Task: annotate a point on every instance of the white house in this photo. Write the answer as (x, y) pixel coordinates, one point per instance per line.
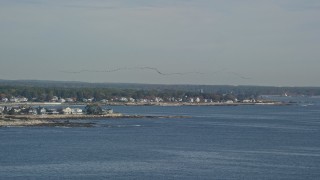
(76, 111)
(158, 99)
(229, 102)
(143, 100)
(123, 99)
(32, 111)
(62, 100)
(16, 109)
(23, 99)
(107, 111)
(67, 110)
(4, 99)
(42, 110)
(13, 99)
(132, 100)
(249, 101)
(246, 101)
(104, 100)
(52, 111)
(69, 100)
(54, 98)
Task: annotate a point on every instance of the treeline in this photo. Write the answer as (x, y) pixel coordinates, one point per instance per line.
(46, 94)
(213, 89)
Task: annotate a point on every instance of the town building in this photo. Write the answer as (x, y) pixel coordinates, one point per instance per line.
(5, 100)
(66, 110)
(76, 111)
(41, 110)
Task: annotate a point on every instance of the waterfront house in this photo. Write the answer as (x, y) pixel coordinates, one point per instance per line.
(249, 101)
(229, 102)
(70, 100)
(143, 100)
(54, 99)
(62, 100)
(52, 111)
(103, 100)
(41, 110)
(23, 99)
(107, 111)
(132, 100)
(171, 99)
(76, 111)
(158, 99)
(32, 111)
(123, 99)
(5, 100)
(13, 99)
(67, 110)
(24, 109)
(7, 108)
(15, 109)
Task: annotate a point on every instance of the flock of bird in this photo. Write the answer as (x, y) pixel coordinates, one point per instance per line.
(156, 70)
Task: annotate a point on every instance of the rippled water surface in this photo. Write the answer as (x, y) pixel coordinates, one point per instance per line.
(236, 142)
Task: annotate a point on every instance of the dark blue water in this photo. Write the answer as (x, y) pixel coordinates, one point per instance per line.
(238, 142)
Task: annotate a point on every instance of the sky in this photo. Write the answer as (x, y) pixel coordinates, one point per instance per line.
(213, 42)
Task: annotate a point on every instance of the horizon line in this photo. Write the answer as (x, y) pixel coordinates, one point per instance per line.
(166, 84)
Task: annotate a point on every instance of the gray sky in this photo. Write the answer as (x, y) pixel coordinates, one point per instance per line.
(236, 42)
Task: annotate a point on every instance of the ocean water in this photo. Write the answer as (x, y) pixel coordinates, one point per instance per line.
(236, 142)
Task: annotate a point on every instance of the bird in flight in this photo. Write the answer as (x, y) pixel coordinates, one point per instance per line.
(156, 70)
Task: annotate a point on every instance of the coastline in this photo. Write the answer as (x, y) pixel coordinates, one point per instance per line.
(195, 104)
(41, 123)
(82, 116)
(23, 123)
(272, 103)
(62, 120)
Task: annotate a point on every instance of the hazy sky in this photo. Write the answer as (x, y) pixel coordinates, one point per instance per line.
(236, 42)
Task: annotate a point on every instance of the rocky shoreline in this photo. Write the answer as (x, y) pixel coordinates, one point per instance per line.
(41, 123)
(18, 122)
(62, 120)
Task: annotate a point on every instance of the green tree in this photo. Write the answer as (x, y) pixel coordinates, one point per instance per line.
(93, 109)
